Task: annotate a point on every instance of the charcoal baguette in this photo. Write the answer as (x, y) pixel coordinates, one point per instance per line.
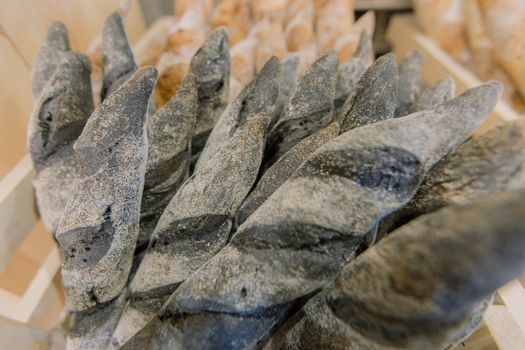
(58, 117)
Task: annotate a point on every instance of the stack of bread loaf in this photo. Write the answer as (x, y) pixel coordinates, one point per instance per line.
(339, 207)
(485, 35)
(257, 30)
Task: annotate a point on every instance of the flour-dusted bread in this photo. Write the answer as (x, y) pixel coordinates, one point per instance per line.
(333, 19)
(444, 22)
(505, 22)
(347, 43)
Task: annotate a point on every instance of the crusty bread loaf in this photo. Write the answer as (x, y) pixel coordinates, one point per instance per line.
(443, 21)
(333, 19)
(153, 43)
(234, 15)
(181, 6)
(478, 40)
(505, 22)
(188, 34)
(271, 41)
(270, 9)
(299, 25)
(348, 42)
(242, 58)
(172, 71)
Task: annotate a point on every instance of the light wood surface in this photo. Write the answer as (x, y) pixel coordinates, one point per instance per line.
(18, 213)
(16, 335)
(40, 284)
(15, 103)
(513, 295)
(503, 328)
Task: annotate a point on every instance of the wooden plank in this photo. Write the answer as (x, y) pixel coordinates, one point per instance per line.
(480, 340)
(39, 285)
(8, 302)
(18, 214)
(15, 104)
(378, 5)
(18, 274)
(37, 244)
(50, 311)
(18, 336)
(25, 23)
(513, 295)
(83, 18)
(405, 36)
(503, 328)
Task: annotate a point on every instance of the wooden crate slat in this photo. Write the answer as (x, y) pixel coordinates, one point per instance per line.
(480, 340)
(405, 36)
(26, 21)
(15, 104)
(40, 284)
(513, 295)
(18, 214)
(8, 302)
(15, 335)
(503, 328)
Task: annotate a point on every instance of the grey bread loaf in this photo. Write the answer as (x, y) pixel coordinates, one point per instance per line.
(211, 67)
(283, 168)
(403, 294)
(375, 95)
(415, 299)
(287, 84)
(118, 61)
(57, 119)
(491, 163)
(351, 71)
(99, 228)
(195, 225)
(310, 108)
(92, 329)
(410, 82)
(434, 95)
(256, 97)
(170, 131)
(49, 57)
